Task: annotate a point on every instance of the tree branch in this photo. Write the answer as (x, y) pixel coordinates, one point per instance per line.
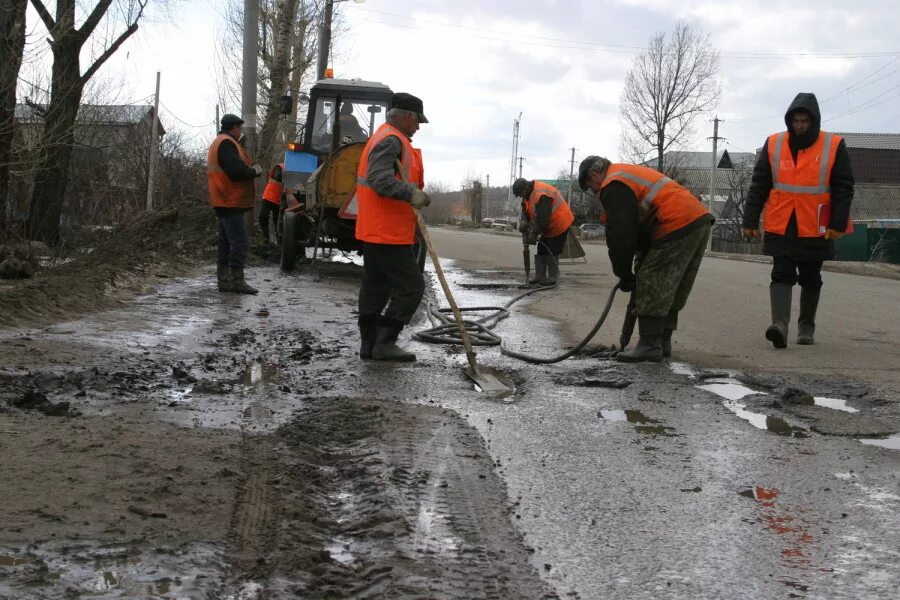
(109, 52)
(42, 11)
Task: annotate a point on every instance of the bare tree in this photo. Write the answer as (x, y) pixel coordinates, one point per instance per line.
(67, 85)
(668, 87)
(12, 45)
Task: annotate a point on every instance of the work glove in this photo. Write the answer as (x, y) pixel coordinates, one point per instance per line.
(533, 237)
(750, 233)
(257, 169)
(627, 284)
(420, 199)
(832, 234)
(523, 226)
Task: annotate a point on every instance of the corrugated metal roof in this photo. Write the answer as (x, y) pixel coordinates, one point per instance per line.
(684, 159)
(876, 141)
(872, 202)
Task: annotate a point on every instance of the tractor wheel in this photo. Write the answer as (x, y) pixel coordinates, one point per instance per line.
(289, 242)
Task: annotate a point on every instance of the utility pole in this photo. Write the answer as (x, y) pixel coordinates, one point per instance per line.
(216, 124)
(521, 158)
(154, 147)
(248, 88)
(324, 39)
(571, 175)
(487, 196)
(512, 162)
(712, 172)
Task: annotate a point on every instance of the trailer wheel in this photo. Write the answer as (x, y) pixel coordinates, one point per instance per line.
(289, 242)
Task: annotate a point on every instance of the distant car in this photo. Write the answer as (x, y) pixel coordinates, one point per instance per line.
(503, 225)
(487, 222)
(591, 231)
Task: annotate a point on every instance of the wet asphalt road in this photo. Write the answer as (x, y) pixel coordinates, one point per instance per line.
(661, 489)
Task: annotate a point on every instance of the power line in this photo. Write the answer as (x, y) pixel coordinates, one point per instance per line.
(875, 72)
(174, 116)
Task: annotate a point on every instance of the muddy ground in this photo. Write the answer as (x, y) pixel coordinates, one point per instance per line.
(190, 444)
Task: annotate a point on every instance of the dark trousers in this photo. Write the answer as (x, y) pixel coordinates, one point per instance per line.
(232, 237)
(391, 279)
(267, 211)
(552, 245)
(808, 273)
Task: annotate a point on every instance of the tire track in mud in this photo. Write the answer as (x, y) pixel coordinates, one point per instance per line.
(378, 499)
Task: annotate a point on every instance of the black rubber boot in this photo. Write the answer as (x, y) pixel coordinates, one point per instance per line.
(806, 324)
(386, 348)
(670, 325)
(649, 346)
(238, 284)
(223, 275)
(780, 298)
(552, 270)
(540, 269)
(368, 325)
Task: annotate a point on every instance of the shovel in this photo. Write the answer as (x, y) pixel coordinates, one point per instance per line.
(488, 380)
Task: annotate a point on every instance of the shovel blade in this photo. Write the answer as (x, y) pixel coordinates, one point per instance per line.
(492, 382)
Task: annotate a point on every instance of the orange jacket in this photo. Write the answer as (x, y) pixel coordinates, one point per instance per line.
(380, 219)
(802, 188)
(273, 189)
(223, 191)
(661, 199)
(561, 217)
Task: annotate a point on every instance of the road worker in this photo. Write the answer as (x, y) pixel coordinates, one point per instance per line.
(392, 284)
(646, 209)
(804, 181)
(546, 219)
(271, 201)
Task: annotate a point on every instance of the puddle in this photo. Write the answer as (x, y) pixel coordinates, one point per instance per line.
(761, 421)
(630, 416)
(680, 368)
(7, 560)
(258, 372)
(339, 550)
(834, 404)
(891, 442)
(728, 388)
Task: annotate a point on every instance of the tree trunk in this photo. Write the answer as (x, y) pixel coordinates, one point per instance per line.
(58, 139)
(278, 79)
(12, 43)
(300, 64)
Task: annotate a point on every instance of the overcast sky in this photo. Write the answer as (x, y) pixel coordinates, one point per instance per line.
(477, 63)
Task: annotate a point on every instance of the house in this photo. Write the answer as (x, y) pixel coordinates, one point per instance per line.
(109, 166)
(876, 169)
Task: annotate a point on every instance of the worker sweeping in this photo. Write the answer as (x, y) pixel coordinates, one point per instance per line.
(548, 217)
(646, 208)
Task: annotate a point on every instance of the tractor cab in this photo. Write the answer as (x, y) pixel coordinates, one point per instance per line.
(320, 170)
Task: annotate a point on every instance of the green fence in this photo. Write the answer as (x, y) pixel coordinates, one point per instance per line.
(869, 243)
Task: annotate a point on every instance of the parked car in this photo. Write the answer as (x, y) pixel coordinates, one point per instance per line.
(503, 225)
(487, 222)
(589, 231)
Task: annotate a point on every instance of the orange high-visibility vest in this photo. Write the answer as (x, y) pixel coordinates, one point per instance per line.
(670, 205)
(561, 217)
(802, 188)
(381, 219)
(224, 192)
(273, 189)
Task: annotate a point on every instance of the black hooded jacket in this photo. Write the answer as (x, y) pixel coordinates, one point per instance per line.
(841, 183)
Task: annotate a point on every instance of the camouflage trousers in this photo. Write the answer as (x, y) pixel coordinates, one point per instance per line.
(666, 276)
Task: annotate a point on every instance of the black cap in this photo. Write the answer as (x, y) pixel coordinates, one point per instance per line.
(519, 186)
(583, 169)
(230, 120)
(409, 102)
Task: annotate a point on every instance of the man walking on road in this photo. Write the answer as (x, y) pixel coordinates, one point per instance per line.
(648, 212)
(548, 217)
(392, 284)
(804, 181)
(231, 194)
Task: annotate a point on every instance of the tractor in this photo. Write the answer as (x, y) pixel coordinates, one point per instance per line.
(318, 207)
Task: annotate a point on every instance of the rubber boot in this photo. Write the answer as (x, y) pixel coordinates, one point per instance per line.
(386, 348)
(670, 325)
(806, 324)
(238, 284)
(649, 346)
(552, 270)
(780, 298)
(540, 269)
(223, 275)
(367, 327)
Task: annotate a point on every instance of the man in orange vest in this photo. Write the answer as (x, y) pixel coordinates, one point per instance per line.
(547, 216)
(230, 176)
(804, 181)
(271, 200)
(392, 284)
(653, 217)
